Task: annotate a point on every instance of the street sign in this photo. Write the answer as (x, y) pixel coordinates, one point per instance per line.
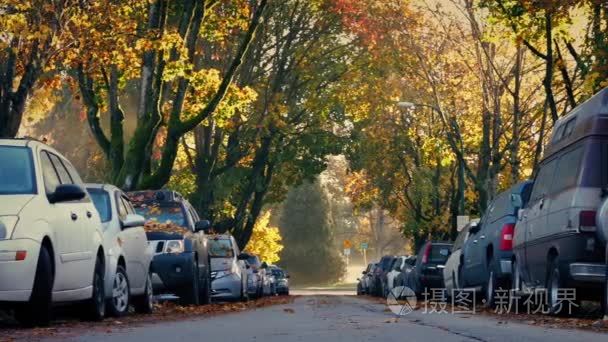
(347, 251)
(347, 244)
(364, 245)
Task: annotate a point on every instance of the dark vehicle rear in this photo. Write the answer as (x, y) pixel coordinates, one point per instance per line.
(488, 251)
(380, 275)
(428, 271)
(177, 238)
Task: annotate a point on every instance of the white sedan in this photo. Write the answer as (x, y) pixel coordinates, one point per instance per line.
(128, 257)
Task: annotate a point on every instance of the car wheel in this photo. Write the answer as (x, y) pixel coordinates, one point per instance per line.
(38, 310)
(190, 294)
(97, 303)
(119, 303)
(554, 284)
(490, 289)
(244, 293)
(145, 303)
(359, 290)
(516, 281)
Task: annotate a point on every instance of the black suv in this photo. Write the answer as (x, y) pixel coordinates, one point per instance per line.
(177, 238)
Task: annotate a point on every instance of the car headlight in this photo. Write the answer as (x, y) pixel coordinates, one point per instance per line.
(174, 246)
(7, 225)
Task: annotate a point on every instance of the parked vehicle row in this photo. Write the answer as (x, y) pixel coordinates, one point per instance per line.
(64, 241)
(547, 234)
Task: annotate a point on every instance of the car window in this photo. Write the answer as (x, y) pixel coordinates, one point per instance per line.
(120, 206)
(49, 175)
(163, 212)
(439, 253)
(543, 181)
(64, 176)
(566, 174)
(220, 248)
(127, 204)
(17, 174)
(101, 200)
(73, 173)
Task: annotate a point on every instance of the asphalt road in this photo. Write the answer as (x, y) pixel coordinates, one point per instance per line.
(336, 317)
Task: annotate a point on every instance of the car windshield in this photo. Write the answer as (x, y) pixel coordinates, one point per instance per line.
(101, 199)
(278, 273)
(254, 261)
(439, 254)
(386, 263)
(220, 248)
(17, 175)
(165, 212)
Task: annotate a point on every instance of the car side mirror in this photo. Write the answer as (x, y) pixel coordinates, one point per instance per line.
(132, 220)
(203, 225)
(67, 193)
(516, 201)
(243, 256)
(364, 273)
(288, 276)
(474, 229)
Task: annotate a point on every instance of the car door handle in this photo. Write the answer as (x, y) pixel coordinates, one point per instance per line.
(474, 241)
(74, 217)
(89, 214)
(542, 203)
(482, 237)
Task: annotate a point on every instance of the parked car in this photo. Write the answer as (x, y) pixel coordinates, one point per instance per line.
(257, 277)
(50, 234)
(557, 244)
(270, 288)
(181, 259)
(408, 266)
(428, 272)
(380, 275)
(487, 253)
(363, 282)
(127, 259)
(395, 270)
(282, 279)
(228, 269)
(453, 266)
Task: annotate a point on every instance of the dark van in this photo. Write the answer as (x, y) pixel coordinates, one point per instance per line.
(556, 242)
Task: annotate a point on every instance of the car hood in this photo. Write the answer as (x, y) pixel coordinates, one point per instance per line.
(152, 236)
(220, 264)
(12, 204)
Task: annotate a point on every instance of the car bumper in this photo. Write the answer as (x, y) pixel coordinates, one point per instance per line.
(17, 277)
(282, 288)
(228, 287)
(588, 272)
(172, 271)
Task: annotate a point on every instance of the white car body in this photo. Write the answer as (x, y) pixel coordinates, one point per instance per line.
(70, 230)
(124, 240)
(392, 275)
(452, 265)
(228, 271)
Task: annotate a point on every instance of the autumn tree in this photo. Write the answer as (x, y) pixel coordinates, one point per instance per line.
(32, 38)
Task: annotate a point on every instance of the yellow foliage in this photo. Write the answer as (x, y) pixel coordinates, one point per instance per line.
(265, 240)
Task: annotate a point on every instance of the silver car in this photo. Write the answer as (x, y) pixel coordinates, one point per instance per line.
(228, 270)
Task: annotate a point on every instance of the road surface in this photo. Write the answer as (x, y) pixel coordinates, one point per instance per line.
(336, 317)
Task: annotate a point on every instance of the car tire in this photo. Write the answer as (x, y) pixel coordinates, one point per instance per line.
(96, 306)
(244, 293)
(144, 304)
(190, 293)
(359, 290)
(118, 305)
(490, 288)
(37, 312)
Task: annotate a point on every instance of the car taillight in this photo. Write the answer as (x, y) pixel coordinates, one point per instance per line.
(425, 256)
(506, 237)
(586, 221)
